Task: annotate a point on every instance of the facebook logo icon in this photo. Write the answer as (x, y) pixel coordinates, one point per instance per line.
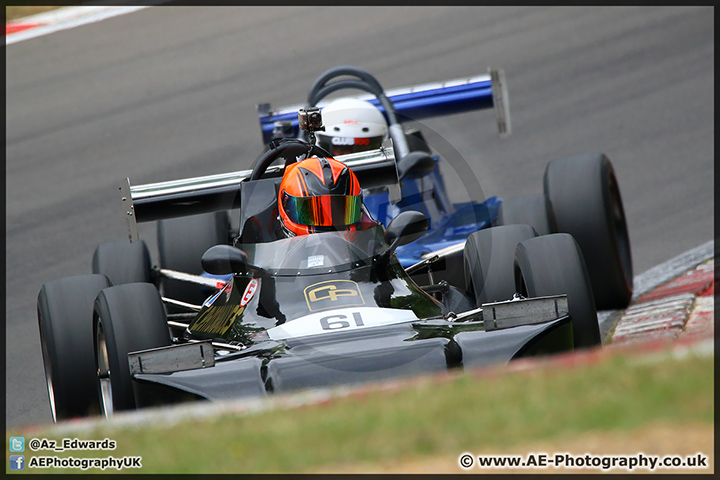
(17, 462)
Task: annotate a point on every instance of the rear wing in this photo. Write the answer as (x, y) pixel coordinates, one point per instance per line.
(212, 193)
(417, 102)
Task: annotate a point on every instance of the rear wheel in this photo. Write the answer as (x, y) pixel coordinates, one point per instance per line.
(553, 265)
(527, 210)
(488, 260)
(122, 262)
(181, 244)
(584, 196)
(127, 318)
(65, 309)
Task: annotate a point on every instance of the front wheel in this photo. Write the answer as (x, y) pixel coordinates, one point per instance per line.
(127, 318)
(553, 265)
(65, 308)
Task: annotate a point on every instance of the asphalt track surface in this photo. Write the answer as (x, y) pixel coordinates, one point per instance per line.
(168, 93)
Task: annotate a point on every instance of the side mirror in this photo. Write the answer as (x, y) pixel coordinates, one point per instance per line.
(415, 163)
(225, 259)
(407, 227)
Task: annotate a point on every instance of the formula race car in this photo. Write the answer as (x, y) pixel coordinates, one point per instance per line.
(581, 194)
(285, 313)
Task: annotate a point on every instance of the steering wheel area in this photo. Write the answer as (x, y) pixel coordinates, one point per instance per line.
(288, 148)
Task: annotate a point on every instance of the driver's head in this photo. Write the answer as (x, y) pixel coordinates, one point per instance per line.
(352, 125)
(318, 195)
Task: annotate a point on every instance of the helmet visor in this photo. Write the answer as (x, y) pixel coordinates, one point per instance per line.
(323, 210)
(346, 145)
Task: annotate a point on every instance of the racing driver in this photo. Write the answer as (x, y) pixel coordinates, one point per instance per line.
(321, 194)
(351, 126)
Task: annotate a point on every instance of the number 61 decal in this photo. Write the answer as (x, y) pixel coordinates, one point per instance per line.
(340, 320)
(336, 322)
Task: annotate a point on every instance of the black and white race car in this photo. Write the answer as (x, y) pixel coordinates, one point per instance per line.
(275, 314)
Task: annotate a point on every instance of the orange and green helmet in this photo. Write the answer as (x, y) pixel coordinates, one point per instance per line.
(319, 194)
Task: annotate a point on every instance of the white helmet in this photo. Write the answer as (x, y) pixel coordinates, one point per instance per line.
(352, 125)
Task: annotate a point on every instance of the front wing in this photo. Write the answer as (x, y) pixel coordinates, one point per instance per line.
(510, 330)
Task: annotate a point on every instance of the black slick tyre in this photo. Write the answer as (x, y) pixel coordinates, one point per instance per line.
(65, 310)
(527, 210)
(122, 262)
(126, 318)
(584, 197)
(181, 244)
(553, 265)
(488, 262)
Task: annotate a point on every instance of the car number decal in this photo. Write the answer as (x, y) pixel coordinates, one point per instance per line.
(340, 320)
(249, 292)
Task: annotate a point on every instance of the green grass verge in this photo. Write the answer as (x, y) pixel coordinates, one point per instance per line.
(15, 12)
(21, 9)
(469, 411)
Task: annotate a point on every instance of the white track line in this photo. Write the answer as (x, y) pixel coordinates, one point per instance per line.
(666, 271)
(66, 18)
(656, 276)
